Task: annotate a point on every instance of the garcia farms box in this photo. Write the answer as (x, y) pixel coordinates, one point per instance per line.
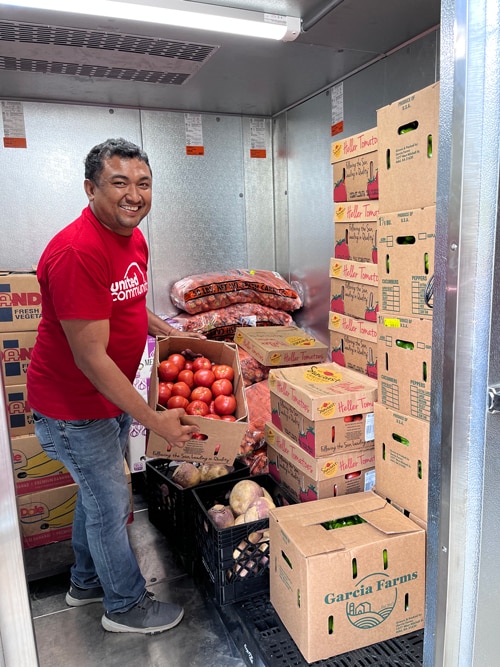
(408, 140)
(308, 478)
(20, 301)
(280, 345)
(324, 391)
(354, 289)
(324, 437)
(402, 460)
(406, 260)
(404, 374)
(219, 441)
(346, 572)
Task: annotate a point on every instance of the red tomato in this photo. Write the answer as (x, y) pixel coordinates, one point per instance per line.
(225, 405)
(201, 394)
(186, 376)
(212, 416)
(228, 418)
(164, 393)
(204, 377)
(201, 362)
(223, 371)
(181, 389)
(178, 360)
(222, 386)
(199, 436)
(177, 401)
(167, 371)
(197, 408)
(211, 407)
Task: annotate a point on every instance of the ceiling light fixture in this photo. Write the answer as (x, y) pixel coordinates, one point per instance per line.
(181, 14)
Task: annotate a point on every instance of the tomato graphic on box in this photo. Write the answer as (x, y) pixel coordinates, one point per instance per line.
(274, 472)
(342, 250)
(371, 311)
(371, 366)
(308, 494)
(340, 191)
(307, 440)
(276, 419)
(337, 302)
(372, 187)
(338, 356)
(374, 249)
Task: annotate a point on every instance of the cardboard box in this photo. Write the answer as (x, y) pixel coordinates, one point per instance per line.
(402, 460)
(281, 345)
(16, 348)
(408, 140)
(20, 301)
(356, 241)
(307, 478)
(33, 469)
(324, 391)
(325, 437)
(339, 590)
(223, 438)
(354, 289)
(356, 144)
(47, 516)
(358, 211)
(353, 343)
(404, 369)
(356, 178)
(406, 260)
(19, 414)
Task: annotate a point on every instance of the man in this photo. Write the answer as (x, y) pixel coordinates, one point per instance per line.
(93, 280)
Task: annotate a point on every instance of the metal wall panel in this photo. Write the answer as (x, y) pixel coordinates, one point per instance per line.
(41, 188)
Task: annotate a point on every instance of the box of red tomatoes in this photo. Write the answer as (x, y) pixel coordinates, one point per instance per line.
(204, 378)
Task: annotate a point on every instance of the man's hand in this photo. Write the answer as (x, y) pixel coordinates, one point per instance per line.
(171, 429)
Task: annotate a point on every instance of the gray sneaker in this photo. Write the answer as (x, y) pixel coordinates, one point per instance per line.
(78, 597)
(148, 617)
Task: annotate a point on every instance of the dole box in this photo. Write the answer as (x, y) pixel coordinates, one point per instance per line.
(345, 573)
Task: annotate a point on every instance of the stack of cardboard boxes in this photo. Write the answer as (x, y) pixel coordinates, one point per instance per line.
(408, 137)
(338, 590)
(46, 493)
(353, 268)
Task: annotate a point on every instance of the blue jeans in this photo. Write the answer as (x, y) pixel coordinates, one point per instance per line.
(93, 451)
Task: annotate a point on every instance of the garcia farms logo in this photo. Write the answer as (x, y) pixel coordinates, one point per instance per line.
(372, 600)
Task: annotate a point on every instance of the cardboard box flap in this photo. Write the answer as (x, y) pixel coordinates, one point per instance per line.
(385, 521)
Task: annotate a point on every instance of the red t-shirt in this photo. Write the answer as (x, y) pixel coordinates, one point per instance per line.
(87, 272)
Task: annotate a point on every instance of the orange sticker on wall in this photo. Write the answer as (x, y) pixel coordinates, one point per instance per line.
(13, 142)
(195, 150)
(258, 152)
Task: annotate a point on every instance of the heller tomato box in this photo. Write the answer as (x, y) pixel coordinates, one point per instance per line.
(408, 140)
(345, 573)
(406, 260)
(20, 301)
(356, 178)
(354, 145)
(353, 344)
(219, 441)
(16, 348)
(402, 460)
(326, 436)
(324, 391)
(281, 345)
(356, 231)
(34, 470)
(306, 477)
(405, 350)
(354, 289)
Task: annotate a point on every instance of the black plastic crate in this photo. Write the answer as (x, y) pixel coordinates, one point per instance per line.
(170, 507)
(263, 641)
(237, 567)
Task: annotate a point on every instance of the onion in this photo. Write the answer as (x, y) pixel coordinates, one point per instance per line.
(243, 494)
(186, 475)
(221, 515)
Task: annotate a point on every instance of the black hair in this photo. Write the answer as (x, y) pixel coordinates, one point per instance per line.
(94, 162)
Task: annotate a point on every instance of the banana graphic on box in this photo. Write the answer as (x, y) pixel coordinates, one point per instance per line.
(39, 465)
(62, 515)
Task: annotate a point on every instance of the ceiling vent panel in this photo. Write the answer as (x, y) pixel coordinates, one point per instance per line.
(28, 47)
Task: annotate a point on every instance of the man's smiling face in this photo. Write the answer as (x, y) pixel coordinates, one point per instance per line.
(121, 198)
